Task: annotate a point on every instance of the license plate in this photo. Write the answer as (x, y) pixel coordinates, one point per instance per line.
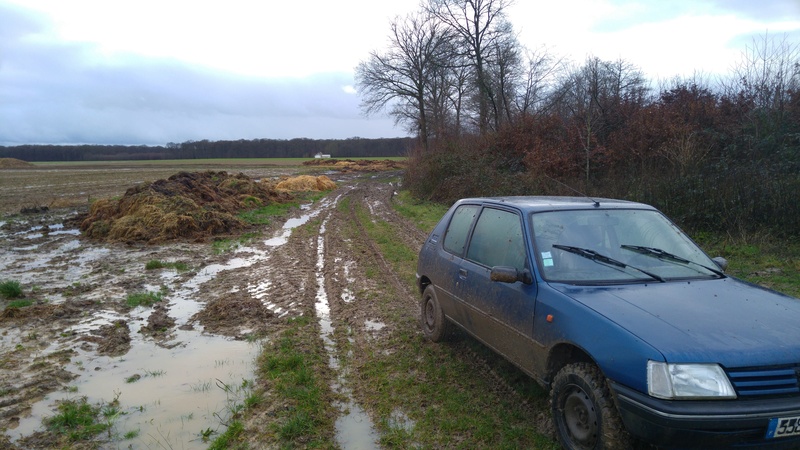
(783, 427)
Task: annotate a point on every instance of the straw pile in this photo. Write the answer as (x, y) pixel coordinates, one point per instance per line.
(306, 183)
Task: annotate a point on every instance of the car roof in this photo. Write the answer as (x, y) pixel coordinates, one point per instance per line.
(552, 203)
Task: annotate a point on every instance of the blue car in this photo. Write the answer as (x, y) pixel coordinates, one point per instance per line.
(635, 331)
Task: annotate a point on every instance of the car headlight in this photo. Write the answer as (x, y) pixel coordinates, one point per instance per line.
(688, 381)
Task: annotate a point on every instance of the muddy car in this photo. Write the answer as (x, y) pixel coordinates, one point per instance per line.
(636, 332)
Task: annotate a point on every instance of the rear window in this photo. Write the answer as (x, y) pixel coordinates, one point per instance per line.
(458, 229)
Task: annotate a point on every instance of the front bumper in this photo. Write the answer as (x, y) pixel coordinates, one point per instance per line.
(705, 424)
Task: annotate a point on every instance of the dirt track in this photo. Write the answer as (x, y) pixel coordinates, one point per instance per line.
(80, 339)
(49, 346)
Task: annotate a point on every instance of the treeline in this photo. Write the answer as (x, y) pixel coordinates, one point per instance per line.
(494, 118)
(256, 148)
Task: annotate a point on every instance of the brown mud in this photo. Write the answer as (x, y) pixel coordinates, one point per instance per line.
(80, 338)
(78, 320)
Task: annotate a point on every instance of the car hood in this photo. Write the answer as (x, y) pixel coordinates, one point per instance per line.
(726, 320)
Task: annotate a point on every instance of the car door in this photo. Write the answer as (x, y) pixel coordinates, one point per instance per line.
(500, 313)
(450, 256)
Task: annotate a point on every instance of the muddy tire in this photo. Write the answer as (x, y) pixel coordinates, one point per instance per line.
(584, 413)
(434, 324)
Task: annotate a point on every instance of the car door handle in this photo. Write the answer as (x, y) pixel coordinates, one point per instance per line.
(462, 273)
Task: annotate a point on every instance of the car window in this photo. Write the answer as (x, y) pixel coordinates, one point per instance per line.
(456, 235)
(497, 240)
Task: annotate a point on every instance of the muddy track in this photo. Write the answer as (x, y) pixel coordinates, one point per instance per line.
(321, 263)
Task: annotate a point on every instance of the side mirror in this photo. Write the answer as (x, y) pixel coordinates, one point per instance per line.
(721, 262)
(506, 274)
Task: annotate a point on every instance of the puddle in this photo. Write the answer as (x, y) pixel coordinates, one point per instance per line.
(293, 223)
(178, 394)
(354, 428)
(371, 325)
(170, 395)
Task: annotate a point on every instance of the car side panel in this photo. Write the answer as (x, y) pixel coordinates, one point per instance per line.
(501, 314)
(621, 356)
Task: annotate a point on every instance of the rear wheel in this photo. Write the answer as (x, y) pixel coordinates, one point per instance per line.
(584, 412)
(434, 325)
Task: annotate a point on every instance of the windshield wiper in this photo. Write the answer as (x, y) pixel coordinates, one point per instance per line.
(667, 256)
(600, 258)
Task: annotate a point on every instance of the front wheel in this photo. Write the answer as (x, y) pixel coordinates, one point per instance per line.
(434, 324)
(584, 412)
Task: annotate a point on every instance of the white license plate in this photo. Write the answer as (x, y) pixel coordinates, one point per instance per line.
(783, 427)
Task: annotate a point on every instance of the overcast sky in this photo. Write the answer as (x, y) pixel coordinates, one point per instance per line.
(152, 72)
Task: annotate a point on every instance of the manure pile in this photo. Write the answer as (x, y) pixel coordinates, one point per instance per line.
(187, 205)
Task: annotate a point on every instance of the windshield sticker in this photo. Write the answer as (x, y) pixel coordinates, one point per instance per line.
(547, 259)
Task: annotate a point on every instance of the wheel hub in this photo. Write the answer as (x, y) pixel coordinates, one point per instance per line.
(580, 418)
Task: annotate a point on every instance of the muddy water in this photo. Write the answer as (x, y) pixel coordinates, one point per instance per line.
(170, 395)
(179, 391)
(173, 395)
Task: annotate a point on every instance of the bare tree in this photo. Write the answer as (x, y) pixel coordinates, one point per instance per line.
(766, 78)
(405, 76)
(481, 26)
(593, 97)
(535, 87)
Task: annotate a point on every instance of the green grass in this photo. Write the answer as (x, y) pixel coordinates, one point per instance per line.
(144, 298)
(231, 438)
(19, 303)
(131, 434)
(423, 213)
(761, 260)
(76, 420)
(402, 258)
(156, 264)
(264, 215)
(216, 162)
(223, 245)
(461, 409)
(10, 289)
(292, 370)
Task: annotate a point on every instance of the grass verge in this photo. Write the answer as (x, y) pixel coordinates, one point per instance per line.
(424, 214)
(428, 395)
(762, 260)
(293, 368)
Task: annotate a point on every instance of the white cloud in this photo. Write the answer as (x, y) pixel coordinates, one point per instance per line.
(153, 71)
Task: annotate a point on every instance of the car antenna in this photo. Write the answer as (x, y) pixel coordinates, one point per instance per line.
(581, 194)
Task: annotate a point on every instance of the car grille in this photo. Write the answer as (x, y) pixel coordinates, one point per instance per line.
(765, 381)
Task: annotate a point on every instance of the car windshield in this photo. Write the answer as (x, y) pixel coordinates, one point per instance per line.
(615, 246)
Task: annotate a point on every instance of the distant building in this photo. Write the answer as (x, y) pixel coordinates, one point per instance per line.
(321, 155)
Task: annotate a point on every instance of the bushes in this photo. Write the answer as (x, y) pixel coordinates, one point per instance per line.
(725, 195)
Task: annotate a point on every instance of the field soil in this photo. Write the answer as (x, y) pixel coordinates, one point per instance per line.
(317, 261)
